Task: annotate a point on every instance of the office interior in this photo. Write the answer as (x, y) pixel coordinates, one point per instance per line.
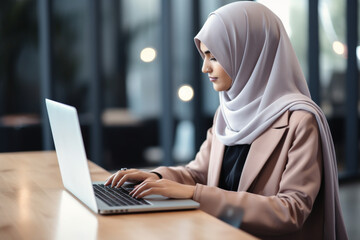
(131, 69)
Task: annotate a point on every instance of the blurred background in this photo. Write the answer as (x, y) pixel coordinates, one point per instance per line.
(131, 69)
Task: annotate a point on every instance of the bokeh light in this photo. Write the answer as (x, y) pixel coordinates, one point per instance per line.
(186, 93)
(148, 54)
(339, 47)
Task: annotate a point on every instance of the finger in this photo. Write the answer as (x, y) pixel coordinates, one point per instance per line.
(117, 177)
(131, 177)
(151, 191)
(122, 180)
(120, 174)
(145, 186)
(109, 180)
(138, 186)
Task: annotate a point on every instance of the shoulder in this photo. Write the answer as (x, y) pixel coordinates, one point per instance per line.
(294, 118)
(302, 117)
(298, 121)
(303, 124)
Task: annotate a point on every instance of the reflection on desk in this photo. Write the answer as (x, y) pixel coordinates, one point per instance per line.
(75, 220)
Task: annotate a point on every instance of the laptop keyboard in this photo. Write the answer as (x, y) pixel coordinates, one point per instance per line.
(116, 196)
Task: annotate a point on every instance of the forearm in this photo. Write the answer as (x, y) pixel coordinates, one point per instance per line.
(268, 215)
(176, 174)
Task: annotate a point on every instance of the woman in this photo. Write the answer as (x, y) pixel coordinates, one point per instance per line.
(269, 151)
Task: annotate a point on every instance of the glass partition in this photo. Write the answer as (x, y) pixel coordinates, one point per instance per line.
(130, 59)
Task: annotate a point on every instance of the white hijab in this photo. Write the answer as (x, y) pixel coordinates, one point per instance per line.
(251, 44)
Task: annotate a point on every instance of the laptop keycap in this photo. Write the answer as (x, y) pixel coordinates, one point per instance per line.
(116, 196)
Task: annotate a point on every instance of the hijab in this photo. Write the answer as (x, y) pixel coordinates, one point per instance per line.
(252, 46)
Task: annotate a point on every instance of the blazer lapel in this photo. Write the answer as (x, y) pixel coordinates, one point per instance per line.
(261, 150)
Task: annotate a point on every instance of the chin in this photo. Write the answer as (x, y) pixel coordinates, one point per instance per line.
(218, 89)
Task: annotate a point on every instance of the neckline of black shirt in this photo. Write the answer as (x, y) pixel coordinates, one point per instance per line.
(232, 166)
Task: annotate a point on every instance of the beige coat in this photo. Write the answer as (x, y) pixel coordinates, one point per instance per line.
(279, 185)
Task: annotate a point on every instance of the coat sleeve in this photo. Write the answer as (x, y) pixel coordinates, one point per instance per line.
(286, 210)
(194, 172)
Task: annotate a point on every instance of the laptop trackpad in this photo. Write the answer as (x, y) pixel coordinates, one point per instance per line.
(155, 197)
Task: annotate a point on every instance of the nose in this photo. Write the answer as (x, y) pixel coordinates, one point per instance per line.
(206, 68)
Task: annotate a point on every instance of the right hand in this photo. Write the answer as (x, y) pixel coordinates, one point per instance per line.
(130, 175)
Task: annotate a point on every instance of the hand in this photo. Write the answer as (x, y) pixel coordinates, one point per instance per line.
(131, 175)
(163, 187)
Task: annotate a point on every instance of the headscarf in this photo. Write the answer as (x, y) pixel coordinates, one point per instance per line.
(251, 44)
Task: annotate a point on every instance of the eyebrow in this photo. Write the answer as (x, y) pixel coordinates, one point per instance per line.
(207, 52)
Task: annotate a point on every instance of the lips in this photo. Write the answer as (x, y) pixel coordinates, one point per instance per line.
(212, 79)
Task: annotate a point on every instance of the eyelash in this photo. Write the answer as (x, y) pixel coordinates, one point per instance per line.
(212, 59)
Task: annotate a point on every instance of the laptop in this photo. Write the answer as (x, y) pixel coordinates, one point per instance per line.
(75, 174)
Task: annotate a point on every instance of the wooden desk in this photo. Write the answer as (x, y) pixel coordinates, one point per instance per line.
(34, 205)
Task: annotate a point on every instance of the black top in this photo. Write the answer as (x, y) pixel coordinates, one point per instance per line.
(232, 166)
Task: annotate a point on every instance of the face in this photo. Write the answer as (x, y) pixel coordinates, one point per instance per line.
(220, 79)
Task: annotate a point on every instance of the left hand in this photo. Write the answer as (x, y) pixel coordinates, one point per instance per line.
(163, 187)
(131, 175)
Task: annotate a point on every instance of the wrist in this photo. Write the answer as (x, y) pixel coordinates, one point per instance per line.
(191, 191)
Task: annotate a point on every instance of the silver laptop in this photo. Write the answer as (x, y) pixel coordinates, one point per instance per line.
(75, 173)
